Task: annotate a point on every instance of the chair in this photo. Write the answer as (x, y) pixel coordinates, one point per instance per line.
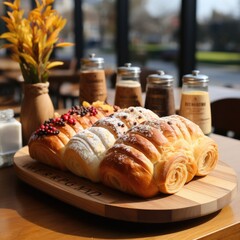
(226, 117)
(69, 91)
(7, 96)
(60, 75)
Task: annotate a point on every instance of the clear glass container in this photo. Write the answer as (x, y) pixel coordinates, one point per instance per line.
(160, 94)
(128, 87)
(93, 85)
(195, 102)
(10, 137)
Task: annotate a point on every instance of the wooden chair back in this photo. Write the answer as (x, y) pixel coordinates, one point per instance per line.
(7, 96)
(226, 117)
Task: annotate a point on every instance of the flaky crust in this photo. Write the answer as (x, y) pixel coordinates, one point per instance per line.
(132, 150)
(48, 150)
(48, 142)
(85, 151)
(158, 156)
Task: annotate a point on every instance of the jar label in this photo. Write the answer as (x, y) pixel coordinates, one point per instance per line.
(196, 107)
(128, 94)
(160, 101)
(93, 86)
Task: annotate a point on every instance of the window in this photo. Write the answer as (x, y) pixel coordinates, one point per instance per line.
(2, 28)
(218, 41)
(65, 8)
(154, 35)
(154, 28)
(99, 30)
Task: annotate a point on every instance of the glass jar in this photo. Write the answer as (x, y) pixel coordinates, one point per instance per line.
(195, 102)
(160, 94)
(92, 80)
(10, 137)
(128, 88)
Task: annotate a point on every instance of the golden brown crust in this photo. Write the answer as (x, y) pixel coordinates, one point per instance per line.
(122, 160)
(137, 154)
(206, 155)
(87, 144)
(138, 142)
(47, 143)
(170, 151)
(48, 150)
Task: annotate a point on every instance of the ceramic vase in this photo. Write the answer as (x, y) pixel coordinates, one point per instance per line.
(36, 107)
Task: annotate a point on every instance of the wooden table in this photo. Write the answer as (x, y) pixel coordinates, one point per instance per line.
(26, 213)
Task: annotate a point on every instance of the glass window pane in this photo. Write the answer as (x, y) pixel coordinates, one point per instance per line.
(65, 8)
(154, 27)
(99, 30)
(218, 41)
(2, 27)
(25, 5)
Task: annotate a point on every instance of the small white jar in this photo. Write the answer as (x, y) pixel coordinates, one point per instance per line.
(10, 137)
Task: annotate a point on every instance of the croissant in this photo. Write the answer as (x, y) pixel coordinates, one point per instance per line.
(47, 143)
(158, 156)
(85, 151)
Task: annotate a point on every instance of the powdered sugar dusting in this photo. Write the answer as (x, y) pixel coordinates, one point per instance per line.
(115, 125)
(143, 129)
(104, 135)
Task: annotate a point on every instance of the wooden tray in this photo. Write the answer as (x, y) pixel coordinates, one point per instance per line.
(200, 197)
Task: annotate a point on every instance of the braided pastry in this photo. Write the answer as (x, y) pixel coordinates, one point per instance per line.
(158, 156)
(85, 151)
(46, 144)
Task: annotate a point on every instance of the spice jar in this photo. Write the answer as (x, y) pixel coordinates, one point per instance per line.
(159, 94)
(10, 137)
(128, 88)
(195, 103)
(92, 80)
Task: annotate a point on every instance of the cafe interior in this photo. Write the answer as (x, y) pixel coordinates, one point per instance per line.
(43, 192)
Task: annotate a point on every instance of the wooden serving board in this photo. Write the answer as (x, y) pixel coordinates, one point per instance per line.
(198, 198)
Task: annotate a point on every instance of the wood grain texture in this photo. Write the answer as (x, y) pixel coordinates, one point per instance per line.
(200, 197)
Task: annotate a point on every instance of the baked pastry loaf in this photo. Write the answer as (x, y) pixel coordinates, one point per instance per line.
(47, 143)
(158, 156)
(85, 151)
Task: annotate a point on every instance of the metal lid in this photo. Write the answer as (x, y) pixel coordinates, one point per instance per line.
(160, 77)
(92, 61)
(128, 70)
(195, 77)
(6, 115)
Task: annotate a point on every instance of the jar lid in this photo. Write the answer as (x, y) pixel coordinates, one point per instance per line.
(92, 60)
(160, 77)
(195, 77)
(6, 115)
(127, 69)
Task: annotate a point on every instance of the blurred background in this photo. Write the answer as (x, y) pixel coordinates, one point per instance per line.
(175, 36)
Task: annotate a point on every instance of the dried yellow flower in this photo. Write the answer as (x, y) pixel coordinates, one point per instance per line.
(33, 39)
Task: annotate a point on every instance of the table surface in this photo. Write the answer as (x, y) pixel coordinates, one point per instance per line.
(27, 213)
